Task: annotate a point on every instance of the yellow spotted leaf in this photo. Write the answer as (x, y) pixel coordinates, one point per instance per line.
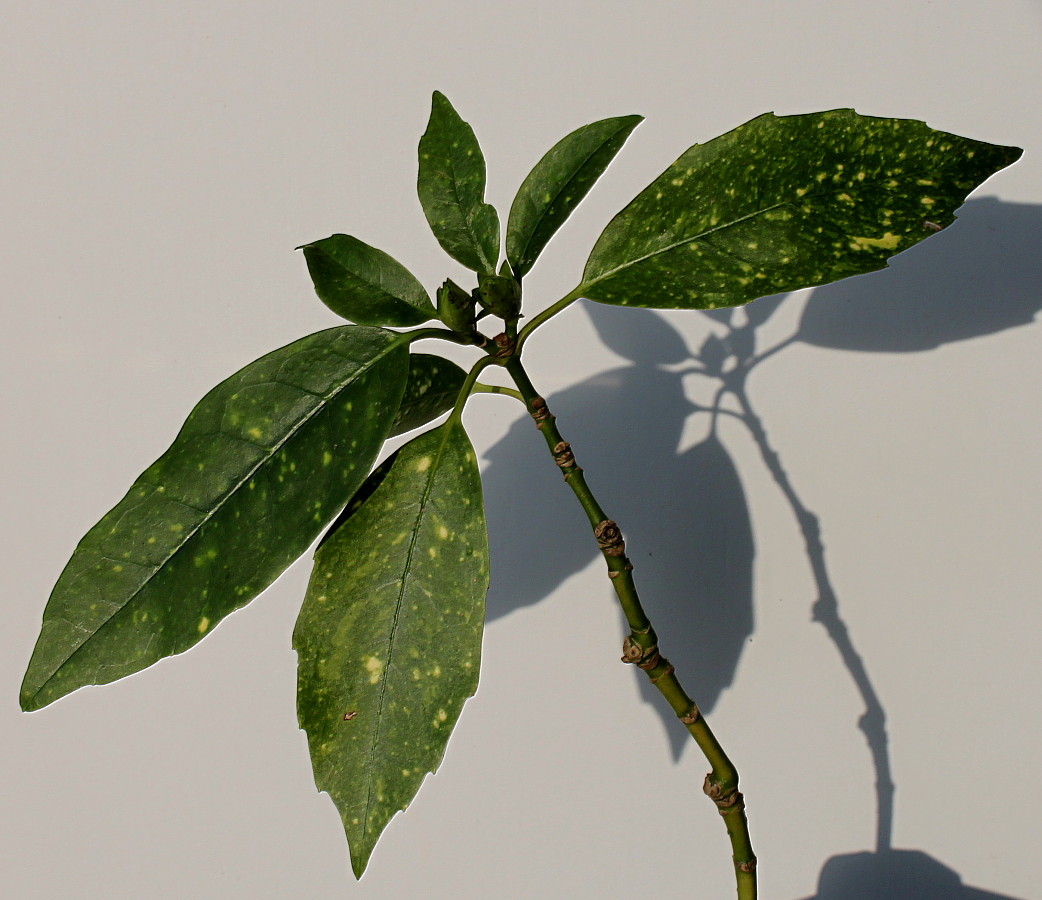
(785, 202)
(389, 636)
(263, 463)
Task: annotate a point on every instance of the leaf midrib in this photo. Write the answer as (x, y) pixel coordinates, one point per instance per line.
(424, 498)
(877, 183)
(213, 512)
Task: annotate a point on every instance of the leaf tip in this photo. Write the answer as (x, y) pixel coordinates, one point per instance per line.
(29, 698)
(359, 860)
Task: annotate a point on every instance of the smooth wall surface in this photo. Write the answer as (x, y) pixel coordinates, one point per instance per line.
(159, 164)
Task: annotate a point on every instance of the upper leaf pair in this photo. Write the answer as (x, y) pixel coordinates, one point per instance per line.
(451, 185)
(367, 286)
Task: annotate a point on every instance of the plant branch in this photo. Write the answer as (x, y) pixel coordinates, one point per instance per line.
(470, 385)
(481, 388)
(441, 334)
(641, 645)
(547, 314)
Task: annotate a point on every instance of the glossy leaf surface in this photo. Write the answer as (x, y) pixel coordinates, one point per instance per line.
(365, 285)
(433, 386)
(451, 185)
(389, 636)
(262, 464)
(558, 183)
(782, 203)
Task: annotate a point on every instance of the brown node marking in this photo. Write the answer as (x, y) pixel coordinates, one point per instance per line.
(627, 568)
(609, 538)
(643, 657)
(562, 454)
(574, 470)
(505, 345)
(632, 652)
(539, 410)
(726, 799)
(933, 226)
(747, 867)
(692, 716)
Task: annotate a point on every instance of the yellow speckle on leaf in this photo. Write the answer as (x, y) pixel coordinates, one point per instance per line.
(423, 464)
(443, 532)
(255, 432)
(442, 715)
(204, 623)
(327, 457)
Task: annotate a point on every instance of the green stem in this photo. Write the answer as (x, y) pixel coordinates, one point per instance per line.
(641, 645)
(547, 314)
(470, 385)
(441, 334)
(481, 388)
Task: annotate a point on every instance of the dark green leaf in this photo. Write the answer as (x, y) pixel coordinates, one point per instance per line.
(389, 636)
(451, 185)
(365, 285)
(558, 183)
(782, 203)
(264, 461)
(433, 386)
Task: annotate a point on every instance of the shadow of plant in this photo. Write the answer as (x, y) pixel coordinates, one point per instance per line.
(685, 514)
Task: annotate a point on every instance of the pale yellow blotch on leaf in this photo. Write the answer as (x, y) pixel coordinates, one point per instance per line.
(254, 432)
(442, 715)
(327, 457)
(443, 532)
(204, 623)
(375, 669)
(888, 241)
(423, 464)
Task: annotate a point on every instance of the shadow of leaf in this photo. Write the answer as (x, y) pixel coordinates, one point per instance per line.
(697, 581)
(980, 276)
(894, 875)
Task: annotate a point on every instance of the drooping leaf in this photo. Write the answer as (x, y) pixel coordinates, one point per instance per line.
(433, 386)
(389, 636)
(451, 185)
(365, 285)
(558, 183)
(264, 461)
(782, 203)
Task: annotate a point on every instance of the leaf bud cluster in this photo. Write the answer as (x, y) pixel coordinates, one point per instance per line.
(456, 307)
(499, 294)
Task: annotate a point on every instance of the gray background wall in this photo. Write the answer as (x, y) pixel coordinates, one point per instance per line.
(161, 161)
